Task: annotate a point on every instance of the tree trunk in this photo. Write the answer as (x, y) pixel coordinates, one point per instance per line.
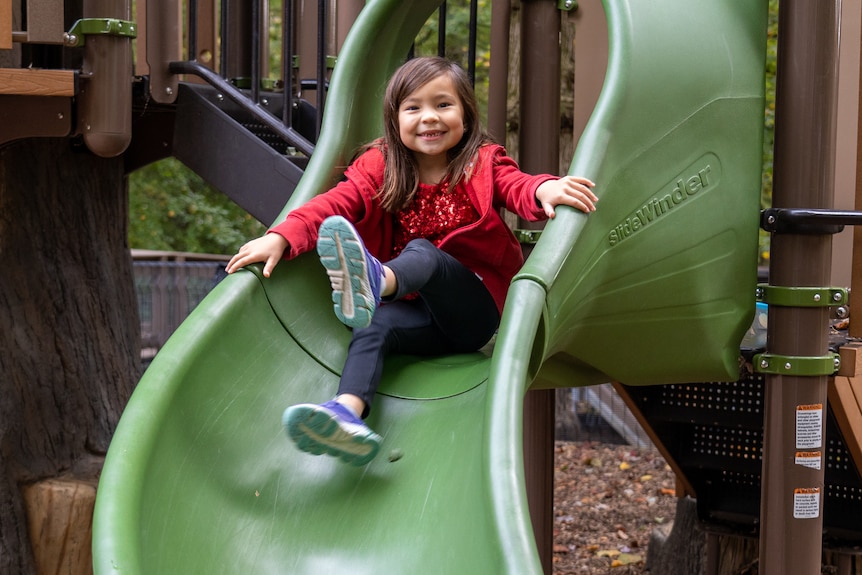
(69, 343)
(682, 549)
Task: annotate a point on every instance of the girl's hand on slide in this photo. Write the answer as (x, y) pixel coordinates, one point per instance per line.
(573, 191)
(269, 249)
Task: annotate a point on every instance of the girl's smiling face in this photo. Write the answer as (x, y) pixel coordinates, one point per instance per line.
(431, 121)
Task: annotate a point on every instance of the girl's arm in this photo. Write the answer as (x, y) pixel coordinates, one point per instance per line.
(351, 198)
(534, 197)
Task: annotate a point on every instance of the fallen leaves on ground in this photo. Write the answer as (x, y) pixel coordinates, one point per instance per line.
(608, 499)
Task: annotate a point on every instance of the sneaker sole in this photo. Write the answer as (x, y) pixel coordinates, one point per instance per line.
(315, 430)
(341, 252)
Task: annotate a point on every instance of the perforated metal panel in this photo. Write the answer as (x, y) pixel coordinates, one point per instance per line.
(714, 433)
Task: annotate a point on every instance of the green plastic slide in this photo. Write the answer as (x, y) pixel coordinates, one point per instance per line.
(657, 286)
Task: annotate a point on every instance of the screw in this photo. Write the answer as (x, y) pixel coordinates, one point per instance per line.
(764, 363)
(770, 219)
(265, 102)
(787, 365)
(817, 297)
(837, 296)
(837, 362)
(169, 90)
(219, 97)
(842, 311)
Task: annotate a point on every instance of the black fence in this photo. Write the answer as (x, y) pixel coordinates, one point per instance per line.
(169, 285)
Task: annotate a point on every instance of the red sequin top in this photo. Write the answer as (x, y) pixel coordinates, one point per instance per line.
(434, 212)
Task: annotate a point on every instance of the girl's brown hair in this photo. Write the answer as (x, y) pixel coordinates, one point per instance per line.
(401, 175)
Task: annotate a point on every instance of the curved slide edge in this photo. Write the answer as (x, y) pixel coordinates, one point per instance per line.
(659, 287)
(670, 301)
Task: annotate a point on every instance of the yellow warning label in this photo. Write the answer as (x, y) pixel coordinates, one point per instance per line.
(810, 459)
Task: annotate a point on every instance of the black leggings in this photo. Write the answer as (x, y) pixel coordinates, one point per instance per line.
(454, 313)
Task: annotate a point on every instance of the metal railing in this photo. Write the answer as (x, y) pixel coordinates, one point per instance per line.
(243, 70)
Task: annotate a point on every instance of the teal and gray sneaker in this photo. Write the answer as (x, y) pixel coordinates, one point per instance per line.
(331, 428)
(354, 274)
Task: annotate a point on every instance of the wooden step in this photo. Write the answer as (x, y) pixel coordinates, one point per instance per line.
(33, 82)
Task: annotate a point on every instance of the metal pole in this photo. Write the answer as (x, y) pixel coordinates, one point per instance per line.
(105, 99)
(539, 151)
(792, 486)
(498, 75)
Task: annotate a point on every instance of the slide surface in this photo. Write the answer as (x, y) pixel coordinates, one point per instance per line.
(657, 286)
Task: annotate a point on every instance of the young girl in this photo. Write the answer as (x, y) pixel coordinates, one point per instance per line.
(424, 199)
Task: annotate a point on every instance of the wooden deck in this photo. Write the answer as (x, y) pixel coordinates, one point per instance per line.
(30, 82)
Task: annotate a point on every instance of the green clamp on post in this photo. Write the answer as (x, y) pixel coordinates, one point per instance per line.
(527, 236)
(802, 296)
(75, 37)
(567, 5)
(795, 365)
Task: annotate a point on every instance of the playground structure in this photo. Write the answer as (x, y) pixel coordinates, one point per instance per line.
(197, 481)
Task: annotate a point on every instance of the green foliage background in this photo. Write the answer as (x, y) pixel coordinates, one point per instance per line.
(769, 122)
(171, 208)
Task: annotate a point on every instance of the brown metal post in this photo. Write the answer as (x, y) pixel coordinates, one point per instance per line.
(306, 42)
(207, 34)
(498, 75)
(855, 329)
(539, 152)
(540, 86)
(792, 488)
(239, 23)
(160, 40)
(105, 100)
(345, 13)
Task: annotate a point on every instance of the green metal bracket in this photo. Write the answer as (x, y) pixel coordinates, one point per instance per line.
(567, 5)
(102, 26)
(802, 296)
(527, 236)
(795, 365)
(330, 62)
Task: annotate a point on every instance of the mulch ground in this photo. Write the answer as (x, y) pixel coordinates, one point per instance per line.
(608, 499)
